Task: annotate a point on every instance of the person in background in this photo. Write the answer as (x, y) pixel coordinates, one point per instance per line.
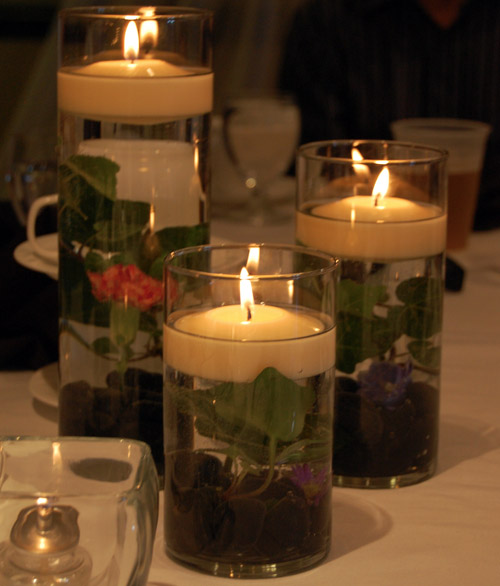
(356, 65)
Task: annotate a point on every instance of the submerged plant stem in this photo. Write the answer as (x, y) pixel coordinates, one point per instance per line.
(269, 477)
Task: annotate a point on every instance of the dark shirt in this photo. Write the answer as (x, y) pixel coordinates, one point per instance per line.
(356, 65)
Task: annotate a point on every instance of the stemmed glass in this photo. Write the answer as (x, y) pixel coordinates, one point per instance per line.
(261, 133)
(32, 170)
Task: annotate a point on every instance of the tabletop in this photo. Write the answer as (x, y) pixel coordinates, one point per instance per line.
(443, 531)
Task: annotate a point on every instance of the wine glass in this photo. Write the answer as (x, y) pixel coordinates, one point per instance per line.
(261, 133)
(31, 170)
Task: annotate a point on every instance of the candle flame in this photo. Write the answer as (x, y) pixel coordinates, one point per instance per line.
(149, 33)
(246, 293)
(196, 159)
(253, 259)
(152, 216)
(381, 186)
(56, 455)
(353, 215)
(362, 171)
(356, 155)
(131, 42)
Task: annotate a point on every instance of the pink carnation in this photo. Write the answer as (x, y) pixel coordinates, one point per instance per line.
(127, 284)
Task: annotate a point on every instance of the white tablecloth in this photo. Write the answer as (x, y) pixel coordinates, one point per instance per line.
(445, 531)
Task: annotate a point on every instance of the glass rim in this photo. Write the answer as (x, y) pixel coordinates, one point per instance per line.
(133, 483)
(433, 154)
(122, 12)
(332, 263)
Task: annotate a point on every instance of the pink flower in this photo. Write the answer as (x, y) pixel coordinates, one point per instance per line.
(313, 485)
(127, 284)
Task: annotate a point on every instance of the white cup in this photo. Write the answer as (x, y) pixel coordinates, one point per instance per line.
(48, 254)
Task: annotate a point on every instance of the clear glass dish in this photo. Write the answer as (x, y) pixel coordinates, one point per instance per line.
(101, 495)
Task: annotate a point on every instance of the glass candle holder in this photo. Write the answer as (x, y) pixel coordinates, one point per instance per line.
(76, 511)
(249, 344)
(134, 106)
(381, 208)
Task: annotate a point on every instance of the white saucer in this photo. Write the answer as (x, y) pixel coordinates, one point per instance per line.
(44, 385)
(26, 256)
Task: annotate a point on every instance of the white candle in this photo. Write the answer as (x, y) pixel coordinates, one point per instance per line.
(133, 68)
(237, 342)
(158, 172)
(222, 344)
(267, 322)
(141, 91)
(373, 228)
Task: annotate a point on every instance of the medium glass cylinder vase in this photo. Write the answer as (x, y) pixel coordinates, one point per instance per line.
(380, 207)
(134, 105)
(249, 345)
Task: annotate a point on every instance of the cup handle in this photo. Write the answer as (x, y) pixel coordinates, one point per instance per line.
(36, 206)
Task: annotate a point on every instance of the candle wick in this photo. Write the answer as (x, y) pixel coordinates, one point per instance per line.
(376, 199)
(249, 313)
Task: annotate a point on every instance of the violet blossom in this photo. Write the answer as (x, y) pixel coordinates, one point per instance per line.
(313, 485)
(385, 383)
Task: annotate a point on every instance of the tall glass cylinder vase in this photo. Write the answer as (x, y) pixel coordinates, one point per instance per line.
(381, 208)
(134, 104)
(249, 351)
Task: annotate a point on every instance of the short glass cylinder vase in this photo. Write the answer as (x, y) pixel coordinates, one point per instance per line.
(249, 344)
(76, 511)
(134, 108)
(380, 207)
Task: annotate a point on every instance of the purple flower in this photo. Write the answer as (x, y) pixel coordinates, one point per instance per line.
(313, 485)
(384, 383)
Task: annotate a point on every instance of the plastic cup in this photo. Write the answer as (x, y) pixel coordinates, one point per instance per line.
(465, 141)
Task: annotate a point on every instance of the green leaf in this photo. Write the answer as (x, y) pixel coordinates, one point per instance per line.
(419, 290)
(81, 207)
(95, 263)
(425, 353)
(103, 346)
(98, 172)
(423, 299)
(353, 342)
(87, 187)
(360, 333)
(156, 269)
(357, 299)
(272, 404)
(123, 323)
(304, 450)
(248, 414)
(175, 237)
(359, 338)
(123, 230)
(149, 324)
(386, 330)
